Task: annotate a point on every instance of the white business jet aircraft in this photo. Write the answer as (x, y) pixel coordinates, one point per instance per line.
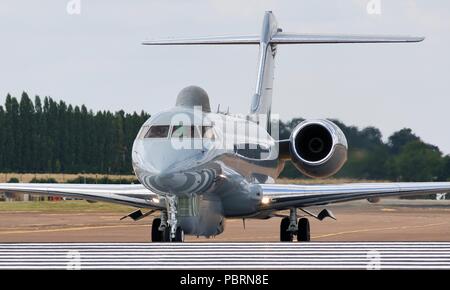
(198, 168)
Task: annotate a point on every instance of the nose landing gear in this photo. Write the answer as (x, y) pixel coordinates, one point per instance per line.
(166, 229)
(157, 234)
(178, 238)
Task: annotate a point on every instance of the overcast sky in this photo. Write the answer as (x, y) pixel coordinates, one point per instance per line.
(95, 58)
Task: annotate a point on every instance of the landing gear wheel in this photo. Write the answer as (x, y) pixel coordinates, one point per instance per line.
(303, 234)
(157, 235)
(285, 235)
(179, 235)
(166, 235)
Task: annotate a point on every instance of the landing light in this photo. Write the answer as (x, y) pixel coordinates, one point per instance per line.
(155, 200)
(265, 200)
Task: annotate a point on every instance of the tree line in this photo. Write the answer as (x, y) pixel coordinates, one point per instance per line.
(49, 136)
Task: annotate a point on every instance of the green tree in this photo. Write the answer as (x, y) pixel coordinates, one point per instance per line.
(37, 128)
(3, 139)
(417, 162)
(400, 139)
(12, 149)
(25, 134)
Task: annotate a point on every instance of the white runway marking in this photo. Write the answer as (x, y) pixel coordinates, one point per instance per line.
(185, 256)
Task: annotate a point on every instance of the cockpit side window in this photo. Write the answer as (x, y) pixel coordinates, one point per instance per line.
(158, 131)
(142, 132)
(180, 131)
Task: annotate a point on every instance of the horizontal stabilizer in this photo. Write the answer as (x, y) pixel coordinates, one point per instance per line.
(214, 40)
(272, 35)
(283, 38)
(288, 38)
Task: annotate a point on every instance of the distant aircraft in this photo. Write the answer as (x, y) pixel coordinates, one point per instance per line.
(198, 168)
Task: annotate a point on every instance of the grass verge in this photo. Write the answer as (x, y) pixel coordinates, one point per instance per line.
(63, 206)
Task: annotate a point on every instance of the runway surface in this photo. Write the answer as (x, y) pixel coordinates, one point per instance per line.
(187, 256)
(360, 221)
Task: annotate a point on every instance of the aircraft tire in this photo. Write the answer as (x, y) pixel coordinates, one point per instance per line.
(166, 234)
(303, 234)
(157, 235)
(179, 235)
(285, 235)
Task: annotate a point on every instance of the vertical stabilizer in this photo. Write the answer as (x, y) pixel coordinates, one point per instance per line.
(262, 99)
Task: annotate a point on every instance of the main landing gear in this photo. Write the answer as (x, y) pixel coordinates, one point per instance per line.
(165, 228)
(290, 226)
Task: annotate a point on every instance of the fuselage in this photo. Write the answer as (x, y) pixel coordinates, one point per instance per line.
(212, 162)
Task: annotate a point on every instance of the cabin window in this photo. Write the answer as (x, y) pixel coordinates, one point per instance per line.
(158, 131)
(252, 151)
(180, 131)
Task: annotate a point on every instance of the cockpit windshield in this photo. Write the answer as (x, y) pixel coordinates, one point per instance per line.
(159, 131)
(180, 131)
(207, 132)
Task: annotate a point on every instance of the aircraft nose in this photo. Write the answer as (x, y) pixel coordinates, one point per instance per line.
(165, 167)
(173, 174)
(167, 160)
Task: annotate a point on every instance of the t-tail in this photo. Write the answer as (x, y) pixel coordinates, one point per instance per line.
(271, 36)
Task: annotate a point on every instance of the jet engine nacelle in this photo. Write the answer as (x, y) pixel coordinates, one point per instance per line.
(318, 148)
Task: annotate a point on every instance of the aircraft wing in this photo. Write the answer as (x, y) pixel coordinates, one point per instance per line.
(130, 194)
(284, 196)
